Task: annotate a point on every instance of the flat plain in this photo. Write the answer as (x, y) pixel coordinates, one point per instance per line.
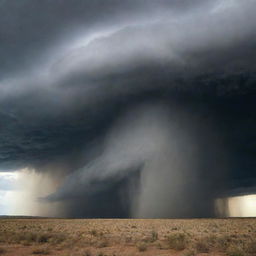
(127, 237)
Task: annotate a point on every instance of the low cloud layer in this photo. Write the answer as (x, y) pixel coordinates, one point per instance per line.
(134, 108)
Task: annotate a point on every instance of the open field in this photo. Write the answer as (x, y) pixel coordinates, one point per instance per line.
(109, 237)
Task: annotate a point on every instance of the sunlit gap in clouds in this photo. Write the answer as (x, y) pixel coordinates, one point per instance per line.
(20, 190)
(237, 206)
(8, 185)
(10, 175)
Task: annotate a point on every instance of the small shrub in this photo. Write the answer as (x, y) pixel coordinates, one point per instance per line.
(101, 254)
(203, 245)
(128, 239)
(28, 237)
(2, 250)
(189, 253)
(93, 232)
(235, 251)
(162, 246)
(57, 238)
(159, 246)
(177, 241)
(251, 247)
(102, 243)
(142, 246)
(26, 243)
(87, 253)
(41, 251)
(223, 242)
(43, 238)
(154, 236)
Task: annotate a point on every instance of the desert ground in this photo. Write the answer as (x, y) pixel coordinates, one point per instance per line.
(117, 237)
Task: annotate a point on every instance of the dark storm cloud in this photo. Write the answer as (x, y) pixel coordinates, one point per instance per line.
(27, 28)
(73, 73)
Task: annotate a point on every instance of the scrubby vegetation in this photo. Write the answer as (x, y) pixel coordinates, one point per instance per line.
(142, 246)
(227, 237)
(177, 241)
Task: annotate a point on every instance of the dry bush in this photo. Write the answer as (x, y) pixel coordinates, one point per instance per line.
(2, 250)
(177, 241)
(57, 238)
(100, 254)
(102, 243)
(223, 242)
(162, 246)
(189, 252)
(142, 246)
(43, 238)
(87, 253)
(214, 242)
(202, 246)
(154, 236)
(41, 251)
(251, 247)
(234, 250)
(26, 243)
(93, 232)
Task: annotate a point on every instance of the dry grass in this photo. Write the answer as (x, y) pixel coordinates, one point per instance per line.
(226, 237)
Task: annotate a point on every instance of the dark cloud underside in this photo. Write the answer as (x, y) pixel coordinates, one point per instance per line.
(74, 76)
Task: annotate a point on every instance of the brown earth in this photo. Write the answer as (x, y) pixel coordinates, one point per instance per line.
(127, 237)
